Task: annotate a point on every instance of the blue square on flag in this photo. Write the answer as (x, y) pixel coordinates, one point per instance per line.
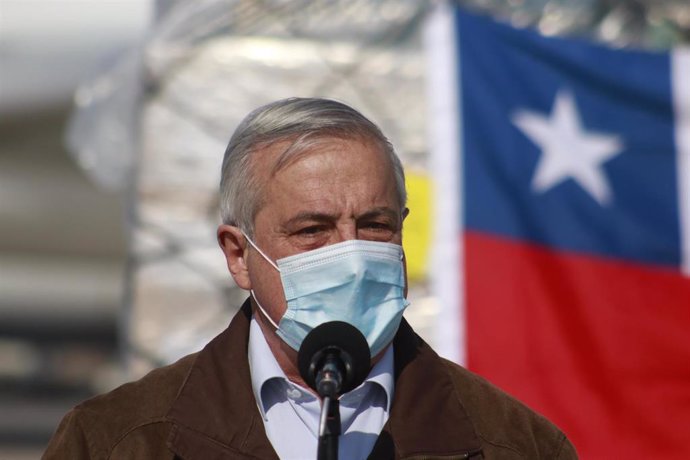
(568, 144)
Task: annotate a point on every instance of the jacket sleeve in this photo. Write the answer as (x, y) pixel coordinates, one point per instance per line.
(69, 441)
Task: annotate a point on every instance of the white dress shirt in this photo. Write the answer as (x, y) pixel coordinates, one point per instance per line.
(291, 413)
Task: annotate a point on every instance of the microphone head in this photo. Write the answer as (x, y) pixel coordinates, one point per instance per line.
(339, 338)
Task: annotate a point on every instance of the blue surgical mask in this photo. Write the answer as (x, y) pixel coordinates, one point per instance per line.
(356, 281)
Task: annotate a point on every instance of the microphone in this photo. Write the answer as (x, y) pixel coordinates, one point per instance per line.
(334, 358)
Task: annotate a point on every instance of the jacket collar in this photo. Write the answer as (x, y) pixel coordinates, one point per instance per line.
(428, 418)
(215, 415)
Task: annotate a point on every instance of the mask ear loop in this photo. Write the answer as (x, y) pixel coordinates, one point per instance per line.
(261, 309)
(252, 244)
(251, 291)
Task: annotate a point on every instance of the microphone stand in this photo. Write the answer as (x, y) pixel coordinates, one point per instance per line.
(329, 429)
(333, 359)
(328, 384)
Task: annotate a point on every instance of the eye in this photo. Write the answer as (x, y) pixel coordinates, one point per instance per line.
(310, 230)
(377, 230)
(310, 236)
(377, 225)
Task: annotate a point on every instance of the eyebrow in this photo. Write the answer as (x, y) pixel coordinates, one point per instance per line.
(305, 216)
(326, 217)
(376, 212)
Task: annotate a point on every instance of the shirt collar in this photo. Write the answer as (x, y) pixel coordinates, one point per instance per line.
(382, 374)
(264, 367)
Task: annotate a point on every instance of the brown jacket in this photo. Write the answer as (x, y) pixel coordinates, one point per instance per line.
(202, 407)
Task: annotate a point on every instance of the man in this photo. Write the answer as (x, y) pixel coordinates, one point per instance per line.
(313, 202)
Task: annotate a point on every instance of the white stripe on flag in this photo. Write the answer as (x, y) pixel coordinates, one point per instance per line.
(680, 75)
(444, 139)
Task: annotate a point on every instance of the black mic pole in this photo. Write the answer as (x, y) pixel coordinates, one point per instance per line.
(329, 429)
(333, 359)
(328, 383)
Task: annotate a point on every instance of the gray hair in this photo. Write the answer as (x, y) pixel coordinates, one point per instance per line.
(304, 121)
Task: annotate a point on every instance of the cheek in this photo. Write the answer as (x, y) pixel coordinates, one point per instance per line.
(268, 289)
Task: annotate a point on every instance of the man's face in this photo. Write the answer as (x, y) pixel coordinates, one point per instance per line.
(340, 190)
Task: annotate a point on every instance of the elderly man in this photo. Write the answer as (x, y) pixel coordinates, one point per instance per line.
(313, 203)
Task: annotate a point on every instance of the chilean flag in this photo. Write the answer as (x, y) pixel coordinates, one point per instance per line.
(562, 252)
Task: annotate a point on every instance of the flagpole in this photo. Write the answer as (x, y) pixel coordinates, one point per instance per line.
(444, 140)
(680, 67)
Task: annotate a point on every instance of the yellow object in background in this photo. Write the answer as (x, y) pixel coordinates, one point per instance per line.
(417, 226)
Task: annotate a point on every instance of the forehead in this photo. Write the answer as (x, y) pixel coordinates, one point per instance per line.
(333, 165)
(268, 160)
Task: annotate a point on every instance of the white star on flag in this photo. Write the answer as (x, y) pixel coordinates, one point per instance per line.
(568, 151)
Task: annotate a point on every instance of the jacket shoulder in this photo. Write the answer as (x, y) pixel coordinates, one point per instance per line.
(506, 424)
(94, 428)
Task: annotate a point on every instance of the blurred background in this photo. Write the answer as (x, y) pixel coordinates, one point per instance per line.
(62, 237)
(113, 119)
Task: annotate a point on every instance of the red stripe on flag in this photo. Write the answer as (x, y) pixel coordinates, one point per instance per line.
(600, 347)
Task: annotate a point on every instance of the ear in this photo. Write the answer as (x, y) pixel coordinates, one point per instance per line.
(234, 247)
